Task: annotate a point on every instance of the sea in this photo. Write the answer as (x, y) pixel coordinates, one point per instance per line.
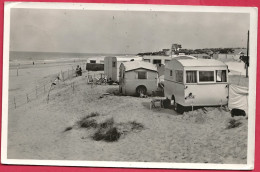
(18, 58)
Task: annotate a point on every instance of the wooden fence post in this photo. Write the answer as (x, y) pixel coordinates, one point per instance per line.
(61, 75)
(48, 99)
(14, 103)
(68, 74)
(36, 91)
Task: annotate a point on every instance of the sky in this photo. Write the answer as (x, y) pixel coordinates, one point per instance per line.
(123, 32)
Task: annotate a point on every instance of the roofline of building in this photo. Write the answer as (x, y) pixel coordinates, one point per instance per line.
(141, 68)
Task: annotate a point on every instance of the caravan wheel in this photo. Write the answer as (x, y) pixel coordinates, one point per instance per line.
(141, 89)
(174, 103)
(180, 108)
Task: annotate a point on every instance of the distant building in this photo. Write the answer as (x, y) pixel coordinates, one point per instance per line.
(235, 56)
(240, 50)
(241, 53)
(157, 59)
(226, 57)
(201, 56)
(167, 52)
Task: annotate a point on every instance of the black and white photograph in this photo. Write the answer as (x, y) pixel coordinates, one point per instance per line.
(120, 85)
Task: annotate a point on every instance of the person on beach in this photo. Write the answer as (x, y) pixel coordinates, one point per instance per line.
(77, 71)
(80, 71)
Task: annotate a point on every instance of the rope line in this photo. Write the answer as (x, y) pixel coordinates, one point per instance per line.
(41, 88)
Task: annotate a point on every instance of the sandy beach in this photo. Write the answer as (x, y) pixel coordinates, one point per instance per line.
(37, 130)
(167, 85)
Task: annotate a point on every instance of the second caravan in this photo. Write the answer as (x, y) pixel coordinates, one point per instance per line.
(196, 82)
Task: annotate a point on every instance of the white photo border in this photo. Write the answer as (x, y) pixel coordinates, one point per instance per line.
(253, 11)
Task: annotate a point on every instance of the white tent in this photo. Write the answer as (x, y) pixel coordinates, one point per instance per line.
(238, 97)
(236, 68)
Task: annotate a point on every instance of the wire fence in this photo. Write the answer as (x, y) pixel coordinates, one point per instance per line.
(42, 87)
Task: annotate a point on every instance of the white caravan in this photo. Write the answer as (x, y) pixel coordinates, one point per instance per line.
(137, 77)
(196, 82)
(165, 59)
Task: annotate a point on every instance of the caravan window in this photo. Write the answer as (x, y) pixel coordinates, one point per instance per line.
(157, 61)
(142, 75)
(92, 61)
(114, 64)
(206, 76)
(179, 76)
(170, 72)
(147, 60)
(221, 76)
(191, 76)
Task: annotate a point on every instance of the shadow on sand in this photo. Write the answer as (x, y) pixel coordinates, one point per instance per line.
(114, 91)
(160, 109)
